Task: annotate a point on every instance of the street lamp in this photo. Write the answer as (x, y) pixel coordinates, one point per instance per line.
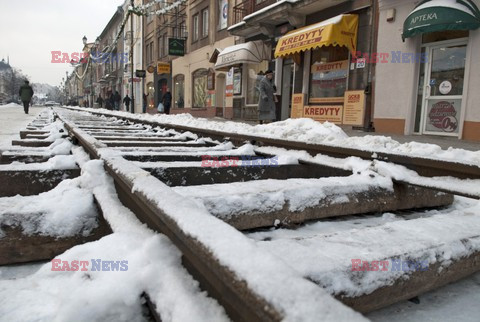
(84, 39)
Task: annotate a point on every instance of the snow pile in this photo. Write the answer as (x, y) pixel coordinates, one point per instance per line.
(264, 196)
(67, 210)
(331, 251)
(11, 105)
(309, 131)
(154, 265)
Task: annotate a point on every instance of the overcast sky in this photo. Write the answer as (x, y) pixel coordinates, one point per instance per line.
(31, 29)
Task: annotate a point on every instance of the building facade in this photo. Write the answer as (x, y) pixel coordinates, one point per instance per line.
(436, 79)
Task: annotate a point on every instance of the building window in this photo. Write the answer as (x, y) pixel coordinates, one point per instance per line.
(328, 73)
(222, 14)
(205, 20)
(200, 88)
(255, 74)
(195, 28)
(179, 91)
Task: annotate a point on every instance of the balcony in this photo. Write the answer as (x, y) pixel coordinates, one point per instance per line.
(247, 7)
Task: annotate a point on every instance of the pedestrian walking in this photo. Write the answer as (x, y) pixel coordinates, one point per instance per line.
(126, 101)
(111, 102)
(167, 101)
(266, 102)
(144, 106)
(26, 94)
(117, 100)
(100, 101)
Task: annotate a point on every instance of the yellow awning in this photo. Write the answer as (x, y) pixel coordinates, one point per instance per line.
(337, 31)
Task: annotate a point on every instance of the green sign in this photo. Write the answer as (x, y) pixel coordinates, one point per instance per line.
(176, 47)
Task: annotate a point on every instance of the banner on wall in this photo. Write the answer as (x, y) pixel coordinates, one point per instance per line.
(223, 19)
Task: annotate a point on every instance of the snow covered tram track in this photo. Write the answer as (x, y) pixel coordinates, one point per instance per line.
(186, 194)
(35, 191)
(251, 285)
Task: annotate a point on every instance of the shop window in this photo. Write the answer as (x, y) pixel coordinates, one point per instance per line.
(150, 95)
(200, 91)
(205, 20)
(328, 73)
(178, 91)
(255, 74)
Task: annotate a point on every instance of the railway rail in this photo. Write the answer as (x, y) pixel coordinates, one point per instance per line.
(162, 173)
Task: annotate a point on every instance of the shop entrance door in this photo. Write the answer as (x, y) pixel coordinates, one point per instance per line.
(287, 86)
(444, 87)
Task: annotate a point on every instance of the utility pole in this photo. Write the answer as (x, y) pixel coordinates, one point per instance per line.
(131, 54)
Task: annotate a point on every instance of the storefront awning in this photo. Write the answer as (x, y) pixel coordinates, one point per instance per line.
(439, 15)
(337, 31)
(252, 52)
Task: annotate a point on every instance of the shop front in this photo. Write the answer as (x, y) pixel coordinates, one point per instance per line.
(322, 56)
(435, 52)
(244, 65)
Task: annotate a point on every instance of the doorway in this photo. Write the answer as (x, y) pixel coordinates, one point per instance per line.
(441, 88)
(287, 87)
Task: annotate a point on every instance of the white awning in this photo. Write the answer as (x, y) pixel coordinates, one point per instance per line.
(252, 52)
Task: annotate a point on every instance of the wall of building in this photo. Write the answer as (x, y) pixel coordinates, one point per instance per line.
(188, 64)
(397, 83)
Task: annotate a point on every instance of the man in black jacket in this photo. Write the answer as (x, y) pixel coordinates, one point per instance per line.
(26, 94)
(126, 101)
(167, 101)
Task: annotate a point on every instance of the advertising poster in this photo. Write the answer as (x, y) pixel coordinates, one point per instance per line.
(443, 115)
(354, 110)
(229, 83)
(330, 113)
(297, 105)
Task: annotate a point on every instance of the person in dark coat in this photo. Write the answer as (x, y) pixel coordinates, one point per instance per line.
(117, 99)
(100, 101)
(167, 101)
(126, 101)
(111, 101)
(266, 102)
(144, 105)
(26, 94)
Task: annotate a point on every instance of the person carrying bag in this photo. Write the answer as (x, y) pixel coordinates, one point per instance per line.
(160, 108)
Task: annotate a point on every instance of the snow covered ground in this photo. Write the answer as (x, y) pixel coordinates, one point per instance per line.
(12, 120)
(154, 263)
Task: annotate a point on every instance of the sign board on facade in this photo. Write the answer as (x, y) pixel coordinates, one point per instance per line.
(176, 46)
(361, 62)
(354, 110)
(140, 73)
(329, 67)
(151, 69)
(330, 113)
(163, 68)
(223, 19)
(297, 106)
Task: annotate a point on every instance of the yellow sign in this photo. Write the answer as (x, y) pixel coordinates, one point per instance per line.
(326, 100)
(329, 67)
(163, 68)
(354, 108)
(330, 113)
(337, 31)
(297, 106)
